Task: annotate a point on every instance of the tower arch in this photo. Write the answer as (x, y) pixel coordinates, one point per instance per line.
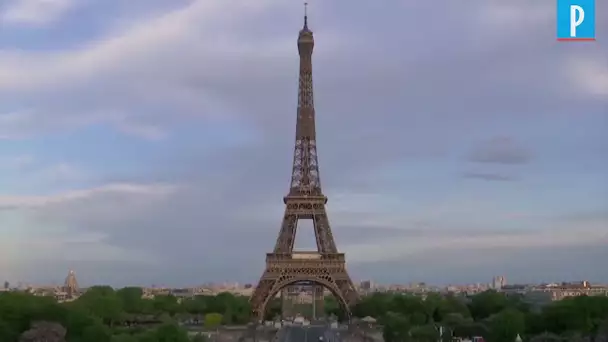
(286, 281)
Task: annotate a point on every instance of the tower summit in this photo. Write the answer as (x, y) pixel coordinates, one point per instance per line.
(306, 41)
(305, 178)
(305, 200)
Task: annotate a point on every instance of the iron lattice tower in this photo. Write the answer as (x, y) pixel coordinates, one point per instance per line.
(305, 200)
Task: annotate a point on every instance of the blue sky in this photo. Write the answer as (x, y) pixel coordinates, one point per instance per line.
(150, 141)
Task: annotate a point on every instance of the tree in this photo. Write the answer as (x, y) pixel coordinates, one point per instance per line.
(124, 338)
(16, 310)
(273, 309)
(470, 329)
(425, 333)
(487, 303)
(602, 331)
(98, 314)
(580, 314)
(396, 328)
(102, 302)
(101, 311)
(331, 306)
(418, 318)
(546, 337)
(431, 304)
(131, 299)
(78, 320)
(452, 305)
(194, 305)
(44, 332)
(7, 332)
(453, 320)
(213, 320)
(406, 304)
(96, 333)
(506, 325)
(238, 310)
(375, 305)
(171, 333)
(535, 324)
(165, 303)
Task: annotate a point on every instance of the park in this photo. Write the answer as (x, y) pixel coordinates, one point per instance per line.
(103, 314)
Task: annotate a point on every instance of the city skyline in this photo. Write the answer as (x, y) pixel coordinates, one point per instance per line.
(496, 282)
(153, 140)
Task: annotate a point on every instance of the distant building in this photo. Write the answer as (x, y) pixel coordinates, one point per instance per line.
(180, 294)
(564, 290)
(545, 293)
(514, 289)
(499, 282)
(70, 286)
(366, 285)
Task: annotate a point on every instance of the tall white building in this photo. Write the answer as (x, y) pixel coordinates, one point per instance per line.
(498, 282)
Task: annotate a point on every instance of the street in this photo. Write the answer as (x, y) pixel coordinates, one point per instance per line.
(311, 333)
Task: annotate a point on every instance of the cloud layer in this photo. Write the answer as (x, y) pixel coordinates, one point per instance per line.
(34, 12)
(157, 149)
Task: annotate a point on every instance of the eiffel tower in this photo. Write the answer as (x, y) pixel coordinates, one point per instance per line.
(325, 267)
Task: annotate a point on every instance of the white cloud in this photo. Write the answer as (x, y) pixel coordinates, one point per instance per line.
(149, 132)
(35, 12)
(433, 245)
(153, 191)
(516, 16)
(54, 247)
(147, 63)
(81, 247)
(61, 172)
(198, 61)
(140, 66)
(39, 229)
(17, 162)
(140, 46)
(29, 174)
(590, 74)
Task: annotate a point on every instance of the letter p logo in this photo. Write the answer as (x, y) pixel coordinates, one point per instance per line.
(575, 20)
(577, 16)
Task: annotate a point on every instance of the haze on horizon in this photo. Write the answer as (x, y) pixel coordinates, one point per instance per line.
(150, 141)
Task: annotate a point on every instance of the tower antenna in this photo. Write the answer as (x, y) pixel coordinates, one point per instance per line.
(305, 13)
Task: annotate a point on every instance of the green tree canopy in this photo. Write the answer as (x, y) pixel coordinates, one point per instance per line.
(131, 299)
(105, 315)
(396, 328)
(487, 303)
(213, 320)
(506, 325)
(102, 302)
(425, 333)
(101, 313)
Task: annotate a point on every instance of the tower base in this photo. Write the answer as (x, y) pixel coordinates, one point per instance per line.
(282, 269)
